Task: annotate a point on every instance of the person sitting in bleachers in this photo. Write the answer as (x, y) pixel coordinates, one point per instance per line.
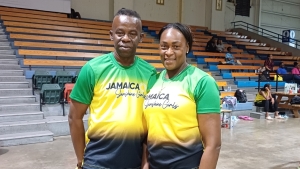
(75, 14)
(211, 45)
(219, 46)
(296, 71)
(269, 64)
(265, 99)
(282, 73)
(229, 59)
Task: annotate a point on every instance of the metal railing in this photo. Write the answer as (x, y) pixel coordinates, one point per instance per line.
(264, 32)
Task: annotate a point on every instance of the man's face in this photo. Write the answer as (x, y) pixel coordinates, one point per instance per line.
(126, 34)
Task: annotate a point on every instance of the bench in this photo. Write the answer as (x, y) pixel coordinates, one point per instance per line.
(252, 44)
(233, 36)
(196, 44)
(294, 58)
(236, 67)
(16, 36)
(222, 32)
(198, 48)
(31, 11)
(71, 63)
(201, 40)
(222, 84)
(83, 55)
(77, 47)
(273, 53)
(223, 94)
(262, 48)
(217, 60)
(247, 74)
(100, 30)
(65, 34)
(241, 40)
(63, 63)
(215, 54)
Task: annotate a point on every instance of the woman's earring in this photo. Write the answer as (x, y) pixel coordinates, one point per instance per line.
(187, 52)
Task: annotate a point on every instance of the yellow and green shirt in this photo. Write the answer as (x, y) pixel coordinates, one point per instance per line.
(170, 110)
(115, 95)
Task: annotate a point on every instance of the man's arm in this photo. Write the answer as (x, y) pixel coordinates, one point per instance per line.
(210, 129)
(77, 111)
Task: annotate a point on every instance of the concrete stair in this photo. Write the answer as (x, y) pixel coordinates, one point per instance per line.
(11, 72)
(25, 138)
(13, 85)
(21, 121)
(7, 56)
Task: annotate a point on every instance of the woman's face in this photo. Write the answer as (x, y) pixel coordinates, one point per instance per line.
(173, 48)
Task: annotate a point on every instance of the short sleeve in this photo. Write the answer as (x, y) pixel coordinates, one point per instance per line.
(154, 76)
(207, 96)
(84, 87)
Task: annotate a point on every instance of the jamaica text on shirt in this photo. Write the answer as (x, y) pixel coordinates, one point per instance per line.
(159, 100)
(125, 89)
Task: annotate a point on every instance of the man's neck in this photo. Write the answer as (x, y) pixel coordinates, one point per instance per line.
(124, 61)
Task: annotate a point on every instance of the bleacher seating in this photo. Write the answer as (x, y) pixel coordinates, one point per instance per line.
(53, 41)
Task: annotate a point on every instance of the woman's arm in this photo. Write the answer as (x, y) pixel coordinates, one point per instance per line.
(210, 129)
(264, 94)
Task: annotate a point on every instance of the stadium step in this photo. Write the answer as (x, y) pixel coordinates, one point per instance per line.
(11, 72)
(19, 106)
(9, 52)
(15, 92)
(3, 37)
(22, 126)
(13, 85)
(7, 56)
(9, 61)
(9, 66)
(5, 47)
(25, 138)
(12, 78)
(4, 43)
(17, 99)
(20, 116)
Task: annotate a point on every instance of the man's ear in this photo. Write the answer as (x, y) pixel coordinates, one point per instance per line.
(111, 35)
(141, 37)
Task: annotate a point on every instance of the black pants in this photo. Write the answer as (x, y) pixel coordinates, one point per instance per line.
(268, 106)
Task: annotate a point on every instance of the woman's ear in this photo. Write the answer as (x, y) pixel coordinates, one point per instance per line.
(188, 47)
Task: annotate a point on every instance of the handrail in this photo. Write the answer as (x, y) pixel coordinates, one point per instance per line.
(264, 32)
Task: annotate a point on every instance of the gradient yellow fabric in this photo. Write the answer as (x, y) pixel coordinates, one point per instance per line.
(170, 111)
(115, 94)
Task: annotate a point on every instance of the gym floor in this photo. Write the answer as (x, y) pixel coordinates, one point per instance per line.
(257, 144)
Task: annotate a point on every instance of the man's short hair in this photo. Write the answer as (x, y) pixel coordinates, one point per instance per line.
(128, 12)
(229, 48)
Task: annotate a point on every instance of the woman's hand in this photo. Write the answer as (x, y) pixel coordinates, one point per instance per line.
(272, 100)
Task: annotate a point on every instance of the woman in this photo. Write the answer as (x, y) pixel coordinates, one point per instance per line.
(269, 64)
(265, 99)
(219, 46)
(182, 110)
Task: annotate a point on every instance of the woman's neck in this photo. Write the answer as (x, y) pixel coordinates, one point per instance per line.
(171, 73)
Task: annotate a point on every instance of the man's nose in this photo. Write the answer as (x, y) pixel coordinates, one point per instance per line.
(125, 38)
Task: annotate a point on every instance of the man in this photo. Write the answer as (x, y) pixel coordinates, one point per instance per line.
(113, 87)
(229, 59)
